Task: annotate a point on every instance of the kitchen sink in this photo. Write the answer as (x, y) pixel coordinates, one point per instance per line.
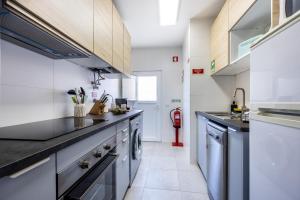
(227, 116)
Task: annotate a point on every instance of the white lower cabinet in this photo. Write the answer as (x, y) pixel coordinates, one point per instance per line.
(32, 183)
(238, 165)
(123, 162)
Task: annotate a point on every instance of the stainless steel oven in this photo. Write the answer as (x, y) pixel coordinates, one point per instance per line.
(92, 177)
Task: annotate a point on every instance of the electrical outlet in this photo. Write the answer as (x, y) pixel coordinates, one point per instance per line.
(176, 100)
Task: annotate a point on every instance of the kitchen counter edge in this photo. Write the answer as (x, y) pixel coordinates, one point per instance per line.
(238, 126)
(16, 155)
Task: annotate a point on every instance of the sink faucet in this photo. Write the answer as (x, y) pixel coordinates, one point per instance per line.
(244, 108)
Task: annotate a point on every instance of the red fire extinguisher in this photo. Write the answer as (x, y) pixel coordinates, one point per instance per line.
(176, 121)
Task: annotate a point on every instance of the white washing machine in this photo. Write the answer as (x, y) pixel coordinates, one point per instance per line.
(135, 145)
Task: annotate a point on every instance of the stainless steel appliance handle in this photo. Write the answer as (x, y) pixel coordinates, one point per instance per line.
(86, 185)
(215, 126)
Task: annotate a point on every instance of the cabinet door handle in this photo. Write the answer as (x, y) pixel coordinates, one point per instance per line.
(124, 130)
(125, 140)
(124, 159)
(27, 169)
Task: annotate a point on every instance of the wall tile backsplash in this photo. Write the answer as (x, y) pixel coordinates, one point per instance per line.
(33, 87)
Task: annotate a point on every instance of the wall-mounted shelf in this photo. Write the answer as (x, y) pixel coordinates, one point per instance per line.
(237, 66)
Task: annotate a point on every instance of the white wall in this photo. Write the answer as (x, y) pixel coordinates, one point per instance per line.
(186, 89)
(243, 81)
(145, 59)
(33, 87)
(206, 93)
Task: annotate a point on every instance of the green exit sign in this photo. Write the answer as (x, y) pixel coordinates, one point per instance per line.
(213, 66)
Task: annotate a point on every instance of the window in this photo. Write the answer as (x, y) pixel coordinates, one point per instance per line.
(147, 88)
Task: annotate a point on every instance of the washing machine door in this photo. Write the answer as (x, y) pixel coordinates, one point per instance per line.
(137, 145)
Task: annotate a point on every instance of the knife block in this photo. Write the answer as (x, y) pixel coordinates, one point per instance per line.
(97, 109)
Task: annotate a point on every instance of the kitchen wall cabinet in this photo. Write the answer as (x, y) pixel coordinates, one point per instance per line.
(37, 183)
(220, 40)
(237, 9)
(118, 41)
(103, 38)
(71, 18)
(127, 52)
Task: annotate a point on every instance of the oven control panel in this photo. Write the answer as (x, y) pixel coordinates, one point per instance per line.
(67, 177)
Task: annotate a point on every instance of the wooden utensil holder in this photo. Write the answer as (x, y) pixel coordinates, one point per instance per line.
(97, 109)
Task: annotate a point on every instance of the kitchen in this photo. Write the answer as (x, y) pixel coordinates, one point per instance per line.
(98, 106)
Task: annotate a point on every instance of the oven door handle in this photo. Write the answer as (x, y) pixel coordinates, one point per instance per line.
(87, 184)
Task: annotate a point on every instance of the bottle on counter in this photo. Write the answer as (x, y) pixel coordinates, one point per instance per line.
(233, 106)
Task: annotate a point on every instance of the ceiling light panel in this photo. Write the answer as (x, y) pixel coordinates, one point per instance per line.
(168, 12)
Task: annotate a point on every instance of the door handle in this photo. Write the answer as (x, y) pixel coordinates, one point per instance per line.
(27, 169)
(125, 139)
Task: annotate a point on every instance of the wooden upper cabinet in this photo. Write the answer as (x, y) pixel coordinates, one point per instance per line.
(237, 8)
(127, 52)
(118, 38)
(71, 18)
(103, 29)
(220, 40)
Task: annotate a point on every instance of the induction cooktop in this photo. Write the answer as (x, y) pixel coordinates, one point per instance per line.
(45, 130)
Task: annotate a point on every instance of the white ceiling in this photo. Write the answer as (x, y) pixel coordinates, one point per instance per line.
(142, 19)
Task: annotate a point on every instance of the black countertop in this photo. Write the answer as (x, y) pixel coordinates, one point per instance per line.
(16, 155)
(232, 123)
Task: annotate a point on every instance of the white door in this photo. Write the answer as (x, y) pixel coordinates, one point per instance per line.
(148, 99)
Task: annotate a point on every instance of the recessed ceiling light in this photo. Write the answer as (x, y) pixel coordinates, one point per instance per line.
(168, 12)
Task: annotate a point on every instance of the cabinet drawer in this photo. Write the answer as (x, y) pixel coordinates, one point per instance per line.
(123, 135)
(122, 177)
(70, 154)
(35, 182)
(123, 151)
(122, 125)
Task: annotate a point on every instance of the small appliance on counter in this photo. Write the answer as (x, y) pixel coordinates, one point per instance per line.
(120, 107)
(121, 102)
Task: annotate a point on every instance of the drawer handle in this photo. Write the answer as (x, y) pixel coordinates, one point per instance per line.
(27, 169)
(125, 140)
(126, 129)
(124, 159)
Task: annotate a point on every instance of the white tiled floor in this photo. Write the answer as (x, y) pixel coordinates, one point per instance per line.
(166, 174)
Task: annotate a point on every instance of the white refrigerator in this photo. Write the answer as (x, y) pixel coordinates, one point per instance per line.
(275, 116)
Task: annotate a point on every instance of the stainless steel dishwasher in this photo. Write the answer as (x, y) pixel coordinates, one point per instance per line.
(216, 161)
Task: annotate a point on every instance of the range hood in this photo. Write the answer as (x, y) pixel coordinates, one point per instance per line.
(22, 31)
(19, 31)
